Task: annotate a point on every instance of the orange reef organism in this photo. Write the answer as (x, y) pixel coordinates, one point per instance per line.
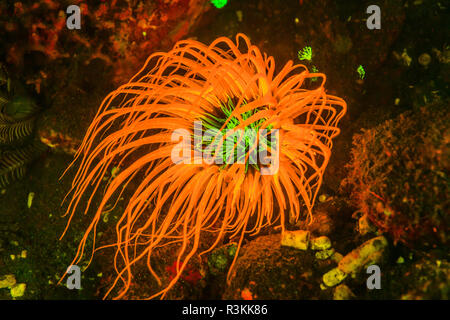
(227, 87)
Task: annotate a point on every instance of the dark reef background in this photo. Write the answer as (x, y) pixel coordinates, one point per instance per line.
(394, 141)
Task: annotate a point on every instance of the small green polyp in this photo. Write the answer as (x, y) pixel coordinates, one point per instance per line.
(219, 4)
(361, 72)
(305, 54)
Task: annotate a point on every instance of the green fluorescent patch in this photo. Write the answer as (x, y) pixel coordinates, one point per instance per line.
(219, 4)
(361, 72)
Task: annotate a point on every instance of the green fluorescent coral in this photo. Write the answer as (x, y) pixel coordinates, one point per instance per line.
(219, 4)
(305, 53)
(361, 72)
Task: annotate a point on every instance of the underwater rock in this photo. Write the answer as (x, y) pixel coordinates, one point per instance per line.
(18, 290)
(298, 239)
(7, 281)
(398, 176)
(322, 223)
(337, 257)
(418, 278)
(370, 252)
(120, 33)
(267, 270)
(330, 218)
(429, 279)
(324, 254)
(320, 243)
(343, 292)
(333, 277)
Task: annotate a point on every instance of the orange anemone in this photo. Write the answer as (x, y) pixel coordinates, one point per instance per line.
(227, 86)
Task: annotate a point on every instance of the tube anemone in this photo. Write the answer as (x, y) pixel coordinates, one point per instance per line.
(226, 87)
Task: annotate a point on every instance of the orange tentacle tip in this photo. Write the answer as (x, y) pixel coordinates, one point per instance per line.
(246, 294)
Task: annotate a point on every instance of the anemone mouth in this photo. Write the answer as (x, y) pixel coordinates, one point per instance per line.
(228, 87)
(230, 136)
